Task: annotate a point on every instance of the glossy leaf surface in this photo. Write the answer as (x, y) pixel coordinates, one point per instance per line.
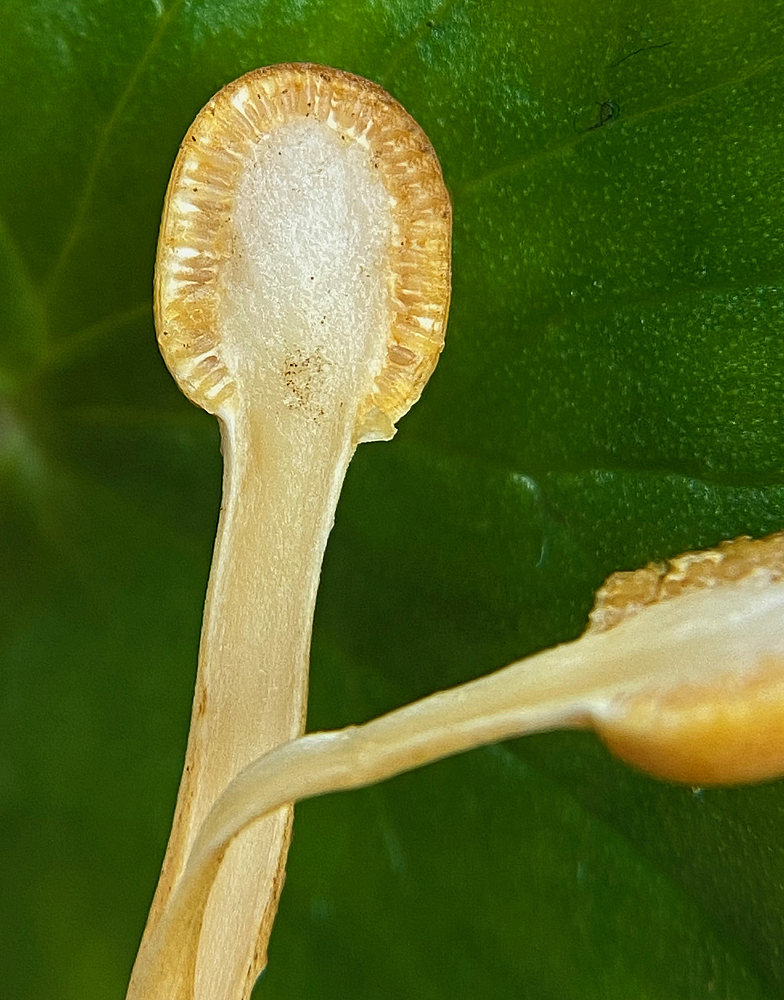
(611, 392)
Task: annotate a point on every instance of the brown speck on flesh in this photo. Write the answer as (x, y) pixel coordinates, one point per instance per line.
(303, 377)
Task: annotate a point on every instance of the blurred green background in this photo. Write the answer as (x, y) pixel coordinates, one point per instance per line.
(611, 392)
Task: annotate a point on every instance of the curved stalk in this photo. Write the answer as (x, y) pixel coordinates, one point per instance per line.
(253, 661)
(682, 672)
(302, 287)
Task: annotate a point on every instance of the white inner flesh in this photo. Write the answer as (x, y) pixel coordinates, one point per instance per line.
(307, 292)
(304, 331)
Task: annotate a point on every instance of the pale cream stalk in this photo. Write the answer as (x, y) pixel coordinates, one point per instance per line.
(302, 288)
(251, 686)
(681, 671)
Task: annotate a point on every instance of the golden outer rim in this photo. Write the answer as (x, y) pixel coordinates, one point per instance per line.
(196, 231)
(724, 732)
(736, 561)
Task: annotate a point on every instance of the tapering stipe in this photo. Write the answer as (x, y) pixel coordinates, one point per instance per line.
(301, 294)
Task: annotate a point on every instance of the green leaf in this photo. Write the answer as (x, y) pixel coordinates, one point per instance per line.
(611, 392)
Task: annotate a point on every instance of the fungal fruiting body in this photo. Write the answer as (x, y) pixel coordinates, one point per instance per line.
(681, 673)
(301, 294)
(716, 716)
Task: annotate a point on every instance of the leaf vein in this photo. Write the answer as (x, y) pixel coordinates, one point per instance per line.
(409, 41)
(86, 196)
(562, 148)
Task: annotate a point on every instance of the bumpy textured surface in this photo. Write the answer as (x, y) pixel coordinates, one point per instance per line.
(713, 712)
(610, 395)
(625, 593)
(198, 233)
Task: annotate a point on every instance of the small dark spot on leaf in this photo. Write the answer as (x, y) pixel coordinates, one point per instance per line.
(608, 111)
(643, 48)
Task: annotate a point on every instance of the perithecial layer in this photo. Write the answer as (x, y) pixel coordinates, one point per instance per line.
(392, 219)
(301, 294)
(715, 716)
